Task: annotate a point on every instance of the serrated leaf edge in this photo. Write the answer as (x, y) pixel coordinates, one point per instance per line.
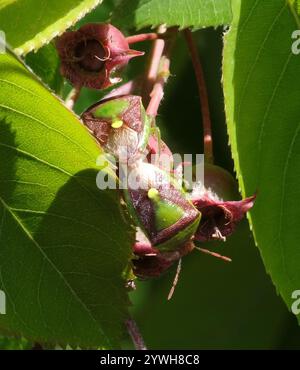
(44, 37)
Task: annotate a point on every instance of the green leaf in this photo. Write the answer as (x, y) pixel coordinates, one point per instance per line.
(45, 63)
(295, 4)
(30, 24)
(64, 245)
(4, 3)
(182, 13)
(261, 86)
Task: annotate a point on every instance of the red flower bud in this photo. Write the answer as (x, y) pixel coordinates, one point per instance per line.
(219, 219)
(90, 55)
(220, 216)
(150, 262)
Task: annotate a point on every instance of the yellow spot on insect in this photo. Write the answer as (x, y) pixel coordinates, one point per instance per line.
(117, 123)
(153, 194)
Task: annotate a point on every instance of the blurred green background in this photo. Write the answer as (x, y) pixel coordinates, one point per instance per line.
(216, 305)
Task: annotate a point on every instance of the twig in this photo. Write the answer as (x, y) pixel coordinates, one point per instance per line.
(157, 92)
(207, 133)
(162, 75)
(154, 59)
(135, 334)
(141, 37)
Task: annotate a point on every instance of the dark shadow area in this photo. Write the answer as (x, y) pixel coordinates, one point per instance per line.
(180, 113)
(85, 238)
(8, 158)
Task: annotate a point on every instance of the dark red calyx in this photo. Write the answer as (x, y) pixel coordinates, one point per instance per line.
(149, 262)
(220, 216)
(151, 266)
(219, 219)
(92, 54)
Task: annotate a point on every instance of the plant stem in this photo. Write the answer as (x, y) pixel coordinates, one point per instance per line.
(162, 73)
(135, 334)
(142, 37)
(207, 132)
(157, 92)
(153, 64)
(72, 97)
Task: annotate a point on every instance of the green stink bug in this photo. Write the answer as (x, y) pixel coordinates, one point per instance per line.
(159, 206)
(121, 126)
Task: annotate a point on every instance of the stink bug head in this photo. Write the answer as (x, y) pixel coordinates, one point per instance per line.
(120, 124)
(151, 266)
(150, 262)
(160, 208)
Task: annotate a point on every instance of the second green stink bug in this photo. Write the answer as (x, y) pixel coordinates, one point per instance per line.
(159, 206)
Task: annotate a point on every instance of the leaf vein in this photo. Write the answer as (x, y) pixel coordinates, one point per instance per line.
(34, 242)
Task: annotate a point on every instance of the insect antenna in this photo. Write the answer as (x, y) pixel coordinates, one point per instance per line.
(206, 251)
(175, 281)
